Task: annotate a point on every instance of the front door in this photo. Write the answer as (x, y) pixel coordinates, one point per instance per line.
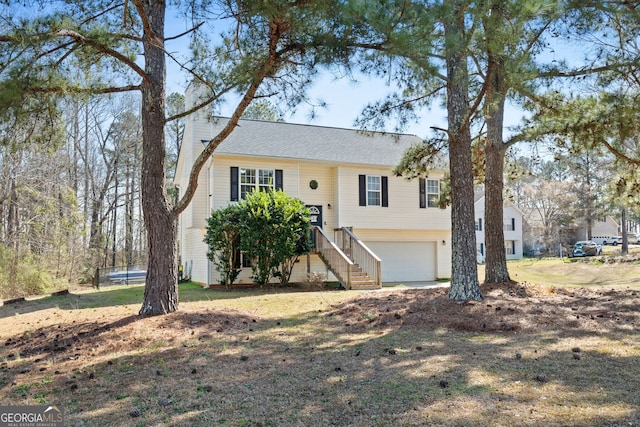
(316, 215)
(316, 220)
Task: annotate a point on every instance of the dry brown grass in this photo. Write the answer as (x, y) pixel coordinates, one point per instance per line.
(525, 356)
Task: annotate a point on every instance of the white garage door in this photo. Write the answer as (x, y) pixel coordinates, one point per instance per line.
(406, 261)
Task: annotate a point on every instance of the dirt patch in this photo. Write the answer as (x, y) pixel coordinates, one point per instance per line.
(525, 355)
(507, 307)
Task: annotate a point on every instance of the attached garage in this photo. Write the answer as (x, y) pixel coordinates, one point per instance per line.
(406, 261)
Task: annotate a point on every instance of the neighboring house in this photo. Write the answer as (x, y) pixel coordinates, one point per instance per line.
(343, 175)
(607, 226)
(512, 219)
(603, 226)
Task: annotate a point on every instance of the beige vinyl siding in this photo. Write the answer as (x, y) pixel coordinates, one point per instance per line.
(194, 254)
(403, 212)
(324, 195)
(197, 212)
(299, 274)
(195, 132)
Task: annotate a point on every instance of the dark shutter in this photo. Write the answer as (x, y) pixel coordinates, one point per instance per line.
(479, 224)
(278, 179)
(422, 183)
(234, 184)
(513, 224)
(362, 184)
(385, 191)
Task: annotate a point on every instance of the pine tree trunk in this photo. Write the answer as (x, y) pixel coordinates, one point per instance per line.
(161, 288)
(464, 271)
(624, 250)
(496, 261)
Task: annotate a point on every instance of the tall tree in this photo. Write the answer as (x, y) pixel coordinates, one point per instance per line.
(271, 42)
(464, 276)
(423, 47)
(508, 44)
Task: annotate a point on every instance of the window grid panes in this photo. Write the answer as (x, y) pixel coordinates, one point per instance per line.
(373, 191)
(510, 247)
(509, 225)
(266, 180)
(433, 193)
(250, 179)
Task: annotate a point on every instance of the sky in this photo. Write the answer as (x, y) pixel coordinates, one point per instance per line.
(344, 98)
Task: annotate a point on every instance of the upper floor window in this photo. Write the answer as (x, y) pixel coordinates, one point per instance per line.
(373, 190)
(255, 179)
(429, 193)
(433, 193)
(244, 181)
(479, 224)
(510, 224)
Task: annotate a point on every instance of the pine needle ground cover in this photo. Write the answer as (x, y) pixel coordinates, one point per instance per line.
(526, 355)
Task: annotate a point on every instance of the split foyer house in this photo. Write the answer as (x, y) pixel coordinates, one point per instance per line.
(372, 226)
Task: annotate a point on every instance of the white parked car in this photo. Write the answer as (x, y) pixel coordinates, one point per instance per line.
(614, 240)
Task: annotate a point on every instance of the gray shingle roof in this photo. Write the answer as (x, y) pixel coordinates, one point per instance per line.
(308, 142)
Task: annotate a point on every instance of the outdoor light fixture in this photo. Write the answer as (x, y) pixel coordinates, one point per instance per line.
(444, 242)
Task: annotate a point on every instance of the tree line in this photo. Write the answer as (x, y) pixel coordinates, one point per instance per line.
(473, 57)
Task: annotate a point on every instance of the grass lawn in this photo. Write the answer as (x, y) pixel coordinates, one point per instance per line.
(560, 348)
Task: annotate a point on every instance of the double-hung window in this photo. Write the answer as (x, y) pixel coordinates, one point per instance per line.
(510, 224)
(429, 193)
(245, 180)
(373, 190)
(433, 193)
(510, 247)
(265, 180)
(252, 179)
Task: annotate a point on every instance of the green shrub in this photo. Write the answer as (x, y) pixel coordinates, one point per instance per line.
(22, 276)
(271, 229)
(275, 232)
(223, 239)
